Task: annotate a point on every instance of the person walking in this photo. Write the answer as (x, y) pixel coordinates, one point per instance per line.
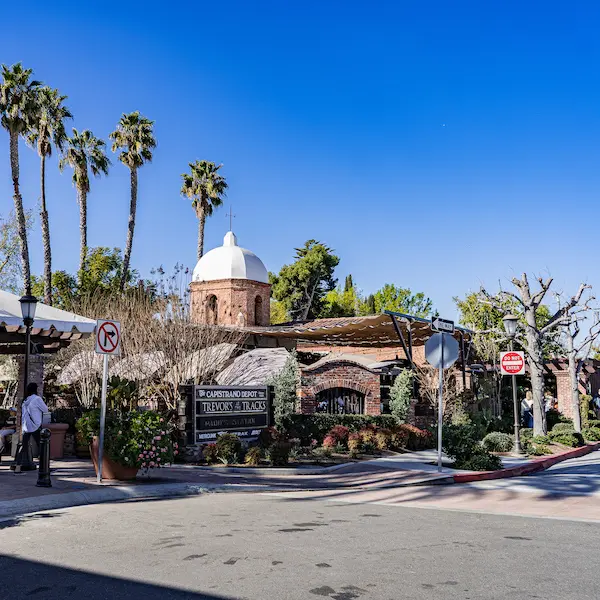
(7, 431)
(32, 416)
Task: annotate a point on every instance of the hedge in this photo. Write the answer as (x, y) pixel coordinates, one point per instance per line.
(317, 426)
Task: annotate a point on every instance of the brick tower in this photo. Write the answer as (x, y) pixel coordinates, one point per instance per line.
(230, 286)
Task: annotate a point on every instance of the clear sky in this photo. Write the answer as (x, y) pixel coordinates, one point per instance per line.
(436, 145)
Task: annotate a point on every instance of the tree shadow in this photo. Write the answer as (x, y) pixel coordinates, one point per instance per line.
(26, 579)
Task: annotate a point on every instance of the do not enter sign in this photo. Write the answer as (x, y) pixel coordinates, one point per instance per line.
(512, 363)
(108, 337)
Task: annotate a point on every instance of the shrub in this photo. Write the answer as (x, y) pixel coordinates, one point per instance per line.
(209, 453)
(540, 439)
(253, 456)
(285, 385)
(368, 447)
(367, 435)
(279, 453)
(317, 426)
(229, 448)
(498, 442)
(354, 444)
(564, 427)
(417, 439)
(584, 409)
(339, 433)
(460, 442)
(534, 449)
(526, 433)
(553, 417)
(398, 438)
(401, 393)
(567, 438)
(591, 433)
(383, 439)
(329, 442)
(593, 423)
(480, 460)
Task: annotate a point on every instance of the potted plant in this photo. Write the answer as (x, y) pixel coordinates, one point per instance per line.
(132, 441)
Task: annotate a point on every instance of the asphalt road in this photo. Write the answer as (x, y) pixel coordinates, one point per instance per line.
(260, 547)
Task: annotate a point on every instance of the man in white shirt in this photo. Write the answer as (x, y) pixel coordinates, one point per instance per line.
(32, 414)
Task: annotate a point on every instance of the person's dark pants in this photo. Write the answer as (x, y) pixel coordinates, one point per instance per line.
(27, 439)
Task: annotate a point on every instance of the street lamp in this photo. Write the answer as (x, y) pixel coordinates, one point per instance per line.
(511, 322)
(28, 305)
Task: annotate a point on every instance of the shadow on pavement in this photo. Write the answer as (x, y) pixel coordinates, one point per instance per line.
(25, 579)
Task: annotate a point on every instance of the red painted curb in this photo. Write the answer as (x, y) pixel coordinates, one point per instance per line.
(538, 464)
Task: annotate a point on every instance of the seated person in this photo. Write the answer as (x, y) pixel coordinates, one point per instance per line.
(8, 429)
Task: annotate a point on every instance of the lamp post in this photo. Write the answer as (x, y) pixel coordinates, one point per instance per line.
(511, 323)
(28, 306)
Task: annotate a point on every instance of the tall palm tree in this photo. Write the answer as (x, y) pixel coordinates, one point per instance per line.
(18, 108)
(84, 153)
(135, 139)
(48, 130)
(206, 189)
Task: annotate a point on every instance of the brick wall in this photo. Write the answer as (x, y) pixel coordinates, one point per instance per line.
(339, 374)
(563, 393)
(236, 302)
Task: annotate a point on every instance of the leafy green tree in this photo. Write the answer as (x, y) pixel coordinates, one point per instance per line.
(278, 313)
(48, 130)
(85, 153)
(341, 303)
(285, 385)
(18, 109)
(302, 285)
(401, 393)
(349, 284)
(64, 289)
(367, 306)
(135, 138)
(206, 188)
(10, 245)
(391, 297)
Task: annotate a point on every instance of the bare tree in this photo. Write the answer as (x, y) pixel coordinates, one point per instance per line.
(528, 303)
(428, 381)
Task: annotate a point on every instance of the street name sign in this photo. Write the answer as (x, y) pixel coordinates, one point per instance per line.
(442, 325)
(441, 350)
(244, 410)
(512, 363)
(108, 337)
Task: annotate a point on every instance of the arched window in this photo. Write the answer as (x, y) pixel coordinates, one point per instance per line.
(258, 311)
(212, 310)
(341, 401)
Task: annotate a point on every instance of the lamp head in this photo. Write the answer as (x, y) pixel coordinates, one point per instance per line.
(28, 305)
(511, 323)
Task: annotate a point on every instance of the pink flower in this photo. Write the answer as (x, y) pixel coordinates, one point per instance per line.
(141, 456)
(157, 438)
(153, 448)
(152, 464)
(158, 459)
(175, 452)
(163, 433)
(176, 445)
(162, 420)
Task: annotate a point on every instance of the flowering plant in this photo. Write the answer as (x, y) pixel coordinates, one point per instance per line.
(132, 439)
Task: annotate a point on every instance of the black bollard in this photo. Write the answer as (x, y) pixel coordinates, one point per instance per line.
(44, 470)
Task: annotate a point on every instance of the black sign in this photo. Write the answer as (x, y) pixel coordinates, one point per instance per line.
(243, 410)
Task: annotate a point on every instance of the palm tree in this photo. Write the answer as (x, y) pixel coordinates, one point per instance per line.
(18, 108)
(48, 130)
(206, 189)
(84, 153)
(135, 138)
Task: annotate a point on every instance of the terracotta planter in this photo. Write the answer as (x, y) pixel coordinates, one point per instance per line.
(57, 440)
(111, 469)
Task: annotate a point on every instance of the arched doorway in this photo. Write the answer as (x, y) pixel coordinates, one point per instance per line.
(212, 310)
(258, 311)
(340, 401)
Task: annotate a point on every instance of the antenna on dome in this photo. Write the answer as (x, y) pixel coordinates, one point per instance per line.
(231, 216)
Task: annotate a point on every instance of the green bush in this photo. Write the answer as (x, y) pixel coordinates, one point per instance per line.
(480, 460)
(564, 427)
(279, 453)
(316, 426)
(229, 448)
(553, 417)
(209, 453)
(534, 449)
(498, 442)
(526, 433)
(591, 434)
(540, 439)
(567, 438)
(584, 409)
(593, 423)
(401, 393)
(253, 456)
(461, 443)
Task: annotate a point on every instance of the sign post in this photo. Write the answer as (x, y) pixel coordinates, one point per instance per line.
(108, 342)
(441, 352)
(513, 363)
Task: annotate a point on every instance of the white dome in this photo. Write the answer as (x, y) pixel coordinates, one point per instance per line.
(229, 261)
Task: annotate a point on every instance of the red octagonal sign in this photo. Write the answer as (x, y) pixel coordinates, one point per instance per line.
(512, 363)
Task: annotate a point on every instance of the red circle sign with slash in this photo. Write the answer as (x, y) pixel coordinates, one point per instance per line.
(512, 363)
(108, 337)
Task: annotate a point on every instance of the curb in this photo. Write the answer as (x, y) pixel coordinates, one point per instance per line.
(269, 470)
(21, 506)
(539, 464)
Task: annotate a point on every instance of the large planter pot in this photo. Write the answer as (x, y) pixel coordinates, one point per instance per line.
(57, 440)
(111, 469)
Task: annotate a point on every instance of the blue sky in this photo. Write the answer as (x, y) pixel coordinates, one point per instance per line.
(433, 145)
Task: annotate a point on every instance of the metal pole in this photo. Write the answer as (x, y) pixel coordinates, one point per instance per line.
(102, 417)
(441, 403)
(517, 448)
(44, 470)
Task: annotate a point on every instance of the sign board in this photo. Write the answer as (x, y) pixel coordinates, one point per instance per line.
(108, 337)
(441, 344)
(242, 410)
(442, 325)
(512, 363)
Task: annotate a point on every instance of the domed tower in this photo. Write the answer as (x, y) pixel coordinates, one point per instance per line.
(230, 286)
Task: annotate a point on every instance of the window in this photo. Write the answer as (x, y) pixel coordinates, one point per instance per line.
(340, 401)
(212, 310)
(258, 311)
